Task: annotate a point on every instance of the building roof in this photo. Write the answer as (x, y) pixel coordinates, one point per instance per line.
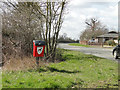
(113, 35)
(113, 32)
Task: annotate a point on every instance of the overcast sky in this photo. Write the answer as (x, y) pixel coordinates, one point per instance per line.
(78, 12)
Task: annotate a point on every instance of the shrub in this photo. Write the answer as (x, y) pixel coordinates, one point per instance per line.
(111, 42)
(59, 56)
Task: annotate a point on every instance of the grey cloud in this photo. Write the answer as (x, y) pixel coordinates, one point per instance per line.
(93, 4)
(73, 25)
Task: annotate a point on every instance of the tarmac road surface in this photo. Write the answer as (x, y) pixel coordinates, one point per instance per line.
(100, 52)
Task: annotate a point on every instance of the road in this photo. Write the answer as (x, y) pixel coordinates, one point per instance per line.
(100, 52)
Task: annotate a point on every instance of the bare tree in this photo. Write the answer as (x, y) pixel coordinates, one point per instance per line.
(28, 21)
(21, 25)
(52, 13)
(93, 28)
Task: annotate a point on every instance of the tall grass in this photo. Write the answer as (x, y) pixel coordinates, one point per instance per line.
(15, 64)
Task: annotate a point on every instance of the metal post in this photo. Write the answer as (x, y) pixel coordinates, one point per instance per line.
(102, 41)
(37, 61)
(118, 37)
(118, 23)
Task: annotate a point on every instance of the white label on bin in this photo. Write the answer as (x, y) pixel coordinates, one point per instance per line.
(39, 50)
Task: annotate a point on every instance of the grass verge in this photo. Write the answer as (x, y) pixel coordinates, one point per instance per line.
(78, 44)
(77, 71)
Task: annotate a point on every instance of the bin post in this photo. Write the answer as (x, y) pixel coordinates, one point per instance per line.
(37, 61)
(38, 50)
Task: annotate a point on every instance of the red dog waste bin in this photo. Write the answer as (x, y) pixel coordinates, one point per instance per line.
(38, 48)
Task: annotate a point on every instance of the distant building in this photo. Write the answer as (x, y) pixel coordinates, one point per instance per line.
(112, 35)
(99, 40)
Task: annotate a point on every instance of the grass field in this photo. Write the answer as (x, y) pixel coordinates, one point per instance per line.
(77, 71)
(78, 44)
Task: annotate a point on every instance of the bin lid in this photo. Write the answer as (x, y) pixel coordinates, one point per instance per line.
(39, 43)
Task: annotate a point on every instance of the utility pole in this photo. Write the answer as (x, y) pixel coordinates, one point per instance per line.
(118, 22)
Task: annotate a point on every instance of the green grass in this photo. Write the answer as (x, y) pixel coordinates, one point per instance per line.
(78, 44)
(78, 70)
